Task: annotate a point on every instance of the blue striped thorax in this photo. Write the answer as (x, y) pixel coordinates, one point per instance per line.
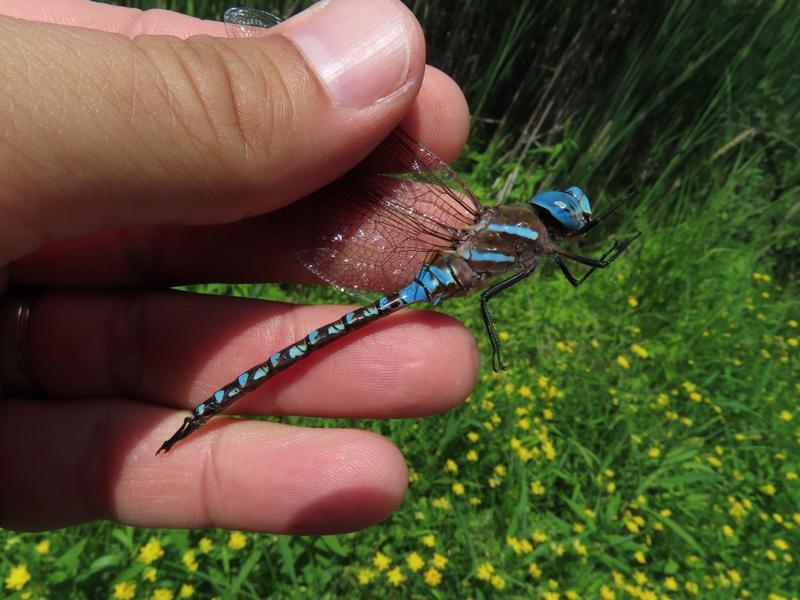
(570, 208)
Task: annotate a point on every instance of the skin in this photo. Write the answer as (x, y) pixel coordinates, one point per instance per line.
(118, 131)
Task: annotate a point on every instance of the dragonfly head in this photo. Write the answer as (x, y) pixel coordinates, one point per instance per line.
(569, 210)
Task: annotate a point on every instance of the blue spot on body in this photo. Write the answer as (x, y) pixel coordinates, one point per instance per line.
(200, 409)
(313, 337)
(370, 311)
(233, 392)
(219, 395)
(497, 257)
(348, 318)
(260, 372)
(273, 360)
(518, 230)
(243, 379)
(296, 351)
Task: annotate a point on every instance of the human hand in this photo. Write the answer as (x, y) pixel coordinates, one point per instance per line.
(134, 157)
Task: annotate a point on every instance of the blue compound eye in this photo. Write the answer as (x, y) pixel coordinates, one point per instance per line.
(569, 208)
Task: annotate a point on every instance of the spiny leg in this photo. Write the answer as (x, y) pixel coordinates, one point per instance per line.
(609, 257)
(497, 361)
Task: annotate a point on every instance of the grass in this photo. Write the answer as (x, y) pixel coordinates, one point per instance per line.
(646, 440)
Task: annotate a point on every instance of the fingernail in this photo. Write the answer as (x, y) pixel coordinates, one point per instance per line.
(359, 48)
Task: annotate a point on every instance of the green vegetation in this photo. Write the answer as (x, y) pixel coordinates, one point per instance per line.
(646, 440)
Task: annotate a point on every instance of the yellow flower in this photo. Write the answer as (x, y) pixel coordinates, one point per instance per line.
(162, 594)
(670, 584)
(781, 544)
(18, 577)
(534, 570)
(548, 414)
(735, 577)
(639, 351)
(151, 552)
(654, 452)
(473, 436)
(498, 582)
(727, 530)
(579, 548)
(433, 577)
(539, 537)
(205, 545)
(365, 576)
(190, 561)
(785, 416)
(442, 503)
(428, 540)
(524, 454)
(237, 540)
(692, 587)
(439, 561)
(793, 342)
(639, 557)
(611, 487)
(792, 323)
(472, 456)
(606, 593)
(458, 489)
(549, 450)
(395, 576)
(623, 362)
(187, 591)
(633, 302)
(768, 489)
(452, 466)
(640, 578)
(525, 391)
(485, 571)
(42, 547)
(381, 561)
(125, 590)
(415, 562)
(537, 488)
(150, 574)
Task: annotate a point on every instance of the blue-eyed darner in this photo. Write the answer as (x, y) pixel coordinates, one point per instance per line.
(403, 220)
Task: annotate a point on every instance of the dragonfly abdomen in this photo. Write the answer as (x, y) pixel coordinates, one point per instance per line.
(432, 285)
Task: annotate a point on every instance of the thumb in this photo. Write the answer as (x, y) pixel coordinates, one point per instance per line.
(100, 131)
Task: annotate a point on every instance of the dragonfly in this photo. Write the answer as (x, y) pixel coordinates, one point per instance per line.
(403, 222)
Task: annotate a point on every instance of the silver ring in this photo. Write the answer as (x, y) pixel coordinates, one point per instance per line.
(15, 346)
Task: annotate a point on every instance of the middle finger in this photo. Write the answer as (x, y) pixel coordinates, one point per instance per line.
(178, 348)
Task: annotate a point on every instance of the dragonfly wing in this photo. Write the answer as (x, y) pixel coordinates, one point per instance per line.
(243, 22)
(373, 228)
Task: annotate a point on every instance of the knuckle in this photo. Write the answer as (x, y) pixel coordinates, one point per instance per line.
(238, 103)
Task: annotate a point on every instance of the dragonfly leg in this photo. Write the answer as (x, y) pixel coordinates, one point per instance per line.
(497, 360)
(609, 257)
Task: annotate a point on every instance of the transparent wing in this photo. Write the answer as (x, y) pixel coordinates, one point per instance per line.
(375, 227)
(248, 22)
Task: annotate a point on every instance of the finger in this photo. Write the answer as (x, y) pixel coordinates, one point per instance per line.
(110, 132)
(96, 460)
(231, 252)
(178, 349)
